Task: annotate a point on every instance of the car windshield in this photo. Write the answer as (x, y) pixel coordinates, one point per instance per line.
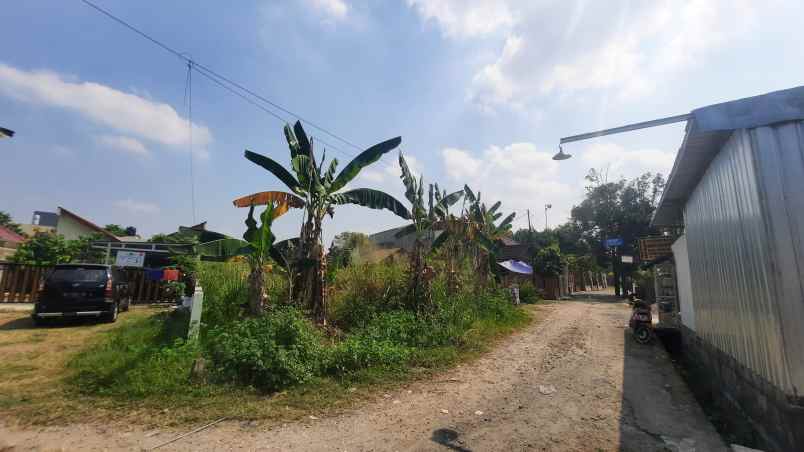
(78, 275)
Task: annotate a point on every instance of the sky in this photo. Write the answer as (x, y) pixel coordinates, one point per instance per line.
(480, 92)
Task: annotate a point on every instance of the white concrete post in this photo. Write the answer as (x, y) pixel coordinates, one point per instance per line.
(195, 314)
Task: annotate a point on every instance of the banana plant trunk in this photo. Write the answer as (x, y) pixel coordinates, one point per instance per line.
(256, 290)
(311, 286)
(420, 276)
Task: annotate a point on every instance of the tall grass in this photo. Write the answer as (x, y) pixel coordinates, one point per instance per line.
(282, 349)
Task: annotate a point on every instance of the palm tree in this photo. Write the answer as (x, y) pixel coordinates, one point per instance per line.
(320, 191)
(424, 223)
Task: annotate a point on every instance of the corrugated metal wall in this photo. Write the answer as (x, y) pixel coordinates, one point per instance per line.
(780, 162)
(731, 264)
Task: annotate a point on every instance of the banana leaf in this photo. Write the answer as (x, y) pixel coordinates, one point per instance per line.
(277, 170)
(364, 159)
(447, 201)
(470, 195)
(373, 199)
(408, 180)
(440, 240)
(224, 248)
(284, 201)
(506, 223)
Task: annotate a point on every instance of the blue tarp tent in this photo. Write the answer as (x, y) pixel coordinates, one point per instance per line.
(516, 267)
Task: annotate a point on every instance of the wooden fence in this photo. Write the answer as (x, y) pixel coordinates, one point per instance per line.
(20, 284)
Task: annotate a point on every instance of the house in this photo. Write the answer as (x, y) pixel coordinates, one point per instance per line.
(737, 189)
(387, 239)
(71, 227)
(9, 241)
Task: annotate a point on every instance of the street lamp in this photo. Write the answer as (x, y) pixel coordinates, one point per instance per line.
(561, 155)
(6, 133)
(546, 208)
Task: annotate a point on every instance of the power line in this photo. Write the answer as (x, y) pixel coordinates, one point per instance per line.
(200, 67)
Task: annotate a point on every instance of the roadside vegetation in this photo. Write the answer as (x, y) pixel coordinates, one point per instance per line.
(287, 331)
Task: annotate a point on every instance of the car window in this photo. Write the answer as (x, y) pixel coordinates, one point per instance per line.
(78, 274)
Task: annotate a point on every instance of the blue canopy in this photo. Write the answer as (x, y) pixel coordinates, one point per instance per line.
(516, 267)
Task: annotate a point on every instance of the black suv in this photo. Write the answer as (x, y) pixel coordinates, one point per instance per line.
(82, 290)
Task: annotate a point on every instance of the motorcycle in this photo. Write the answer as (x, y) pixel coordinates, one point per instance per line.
(640, 323)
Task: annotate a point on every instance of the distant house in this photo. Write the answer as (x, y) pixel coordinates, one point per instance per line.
(387, 239)
(9, 241)
(511, 249)
(71, 227)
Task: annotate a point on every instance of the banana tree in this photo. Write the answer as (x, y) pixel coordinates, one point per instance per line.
(320, 190)
(484, 232)
(425, 223)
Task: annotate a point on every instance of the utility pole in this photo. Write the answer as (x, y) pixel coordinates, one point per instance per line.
(530, 227)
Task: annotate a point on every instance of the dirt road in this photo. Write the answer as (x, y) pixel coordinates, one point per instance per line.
(573, 382)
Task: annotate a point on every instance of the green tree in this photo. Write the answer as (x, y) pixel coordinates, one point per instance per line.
(44, 249)
(548, 261)
(621, 209)
(120, 231)
(321, 190)
(7, 222)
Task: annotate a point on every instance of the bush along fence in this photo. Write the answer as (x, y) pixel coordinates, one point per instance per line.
(19, 283)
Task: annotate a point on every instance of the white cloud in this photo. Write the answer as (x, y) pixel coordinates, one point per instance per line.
(519, 175)
(627, 162)
(333, 10)
(124, 112)
(125, 144)
(137, 207)
(465, 18)
(568, 48)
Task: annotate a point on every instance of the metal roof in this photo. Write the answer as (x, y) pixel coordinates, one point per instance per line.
(707, 130)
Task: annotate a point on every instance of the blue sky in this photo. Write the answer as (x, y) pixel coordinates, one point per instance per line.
(480, 91)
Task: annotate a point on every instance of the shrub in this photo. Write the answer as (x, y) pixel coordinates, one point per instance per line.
(362, 352)
(360, 292)
(269, 352)
(528, 293)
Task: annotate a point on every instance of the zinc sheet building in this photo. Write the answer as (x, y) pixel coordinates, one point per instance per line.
(737, 188)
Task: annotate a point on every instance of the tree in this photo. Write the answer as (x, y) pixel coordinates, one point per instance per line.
(7, 222)
(116, 229)
(548, 261)
(621, 209)
(484, 232)
(320, 191)
(44, 249)
(424, 222)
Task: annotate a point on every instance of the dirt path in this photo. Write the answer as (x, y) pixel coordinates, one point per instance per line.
(609, 394)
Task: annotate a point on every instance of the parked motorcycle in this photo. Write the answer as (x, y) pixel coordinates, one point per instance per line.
(640, 323)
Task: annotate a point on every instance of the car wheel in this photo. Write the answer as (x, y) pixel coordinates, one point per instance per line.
(111, 317)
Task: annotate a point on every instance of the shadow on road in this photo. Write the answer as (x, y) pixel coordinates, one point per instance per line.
(658, 410)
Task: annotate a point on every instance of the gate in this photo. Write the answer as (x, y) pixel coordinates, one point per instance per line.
(19, 283)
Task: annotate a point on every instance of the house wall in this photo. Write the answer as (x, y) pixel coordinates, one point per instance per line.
(780, 162)
(72, 229)
(736, 308)
(684, 282)
(743, 226)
